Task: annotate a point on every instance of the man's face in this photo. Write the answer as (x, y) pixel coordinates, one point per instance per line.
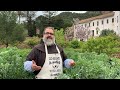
(48, 37)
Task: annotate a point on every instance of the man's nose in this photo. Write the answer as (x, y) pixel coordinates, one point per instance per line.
(49, 34)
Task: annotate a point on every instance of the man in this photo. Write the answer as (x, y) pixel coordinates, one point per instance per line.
(47, 59)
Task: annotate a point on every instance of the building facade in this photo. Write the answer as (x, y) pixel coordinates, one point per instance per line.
(109, 20)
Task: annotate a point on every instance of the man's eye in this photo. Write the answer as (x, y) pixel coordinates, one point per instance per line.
(49, 33)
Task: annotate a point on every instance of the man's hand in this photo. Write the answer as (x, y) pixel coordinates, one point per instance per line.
(72, 63)
(34, 66)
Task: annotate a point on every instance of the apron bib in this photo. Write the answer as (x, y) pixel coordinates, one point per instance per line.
(52, 67)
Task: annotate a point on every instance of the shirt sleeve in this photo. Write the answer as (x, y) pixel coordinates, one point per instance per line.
(28, 66)
(66, 63)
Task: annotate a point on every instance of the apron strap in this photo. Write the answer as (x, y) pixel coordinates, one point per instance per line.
(47, 50)
(57, 49)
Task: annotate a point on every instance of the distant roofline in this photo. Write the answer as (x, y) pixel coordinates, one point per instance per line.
(97, 17)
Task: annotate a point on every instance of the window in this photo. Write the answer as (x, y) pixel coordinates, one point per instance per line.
(92, 32)
(89, 24)
(112, 20)
(96, 31)
(93, 23)
(117, 19)
(107, 21)
(97, 23)
(85, 25)
(102, 22)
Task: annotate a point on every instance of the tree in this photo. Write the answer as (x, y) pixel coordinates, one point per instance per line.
(20, 14)
(82, 33)
(18, 33)
(107, 32)
(62, 20)
(49, 15)
(29, 15)
(67, 18)
(8, 24)
(57, 23)
(41, 23)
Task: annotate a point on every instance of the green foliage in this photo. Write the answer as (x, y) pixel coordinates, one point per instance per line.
(19, 33)
(60, 39)
(107, 32)
(63, 76)
(11, 64)
(75, 44)
(21, 45)
(10, 31)
(100, 44)
(7, 24)
(92, 66)
(32, 41)
(88, 65)
(114, 50)
(58, 23)
(89, 14)
(31, 28)
(62, 20)
(49, 14)
(70, 51)
(41, 23)
(30, 24)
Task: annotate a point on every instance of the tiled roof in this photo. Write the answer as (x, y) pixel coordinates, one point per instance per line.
(97, 17)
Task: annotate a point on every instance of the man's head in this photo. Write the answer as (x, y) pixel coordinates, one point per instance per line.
(48, 36)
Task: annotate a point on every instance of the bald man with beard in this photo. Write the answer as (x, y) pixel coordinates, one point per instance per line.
(47, 59)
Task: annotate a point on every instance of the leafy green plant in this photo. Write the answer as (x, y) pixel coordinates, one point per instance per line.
(11, 64)
(60, 39)
(32, 41)
(100, 44)
(93, 66)
(107, 32)
(75, 44)
(88, 65)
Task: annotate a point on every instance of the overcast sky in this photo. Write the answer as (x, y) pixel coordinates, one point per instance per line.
(40, 12)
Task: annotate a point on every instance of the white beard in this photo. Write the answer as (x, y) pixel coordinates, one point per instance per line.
(49, 42)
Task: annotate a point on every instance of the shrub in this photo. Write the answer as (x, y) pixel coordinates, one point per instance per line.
(93, 66)
(107, 32)
(32, 41)
(11, 64)
(60, 39)
(88, 65)
(100, 44)
(75, 44)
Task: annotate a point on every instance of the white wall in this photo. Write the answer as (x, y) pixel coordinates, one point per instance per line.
(100, 26)
(117, 24)
(110, 25)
